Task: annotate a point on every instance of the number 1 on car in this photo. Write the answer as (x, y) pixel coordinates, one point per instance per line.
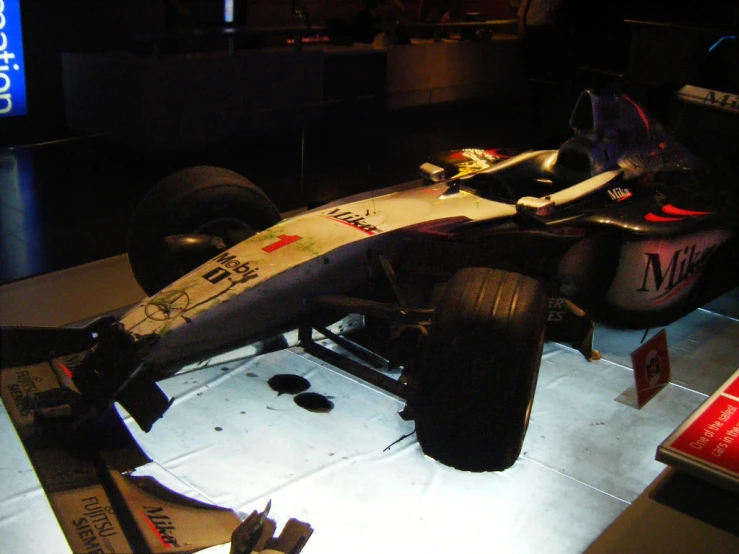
(284, 241)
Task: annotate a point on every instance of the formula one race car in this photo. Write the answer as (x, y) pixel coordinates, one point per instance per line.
(460, 278)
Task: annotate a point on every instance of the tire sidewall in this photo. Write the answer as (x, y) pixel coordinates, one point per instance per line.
(479, 369)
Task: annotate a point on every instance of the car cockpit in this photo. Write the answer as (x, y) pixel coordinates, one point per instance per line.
(610, 131)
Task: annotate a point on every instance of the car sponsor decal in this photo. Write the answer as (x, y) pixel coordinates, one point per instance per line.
(221, 281)
(716, 99)
(65, 369)
(656, 273)
(673, 210)
(215, 276)
(284, 241)
(556, 313)
(473, 160)
(167, 305)
(229, 264)
(482, 156)
(161, 525)
(89, 520)
(95, 522)
(673, 214)
(584, 188)
(352, 219)
(23, 392)
(685, 263)
(619, 194)
(660, 218)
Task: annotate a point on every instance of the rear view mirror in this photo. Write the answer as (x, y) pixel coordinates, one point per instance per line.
(432, 173)
(532, 206)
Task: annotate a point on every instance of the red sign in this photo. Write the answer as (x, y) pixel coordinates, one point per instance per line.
(651, 363)
(732, 389)
(713, 436)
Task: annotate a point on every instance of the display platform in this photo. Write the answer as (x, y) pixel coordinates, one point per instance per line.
(353, 470)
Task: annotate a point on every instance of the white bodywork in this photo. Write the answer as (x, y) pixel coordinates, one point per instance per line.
(262, 284)
(313, 253)
(656, 273)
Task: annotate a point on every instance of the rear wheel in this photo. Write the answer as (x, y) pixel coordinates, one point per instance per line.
(479, 370)
(215, 207)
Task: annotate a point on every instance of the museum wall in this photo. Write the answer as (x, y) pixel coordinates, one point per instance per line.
(85, 26)
(51, 28)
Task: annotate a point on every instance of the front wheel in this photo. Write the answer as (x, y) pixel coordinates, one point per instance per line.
(478, 372)
(198, 202)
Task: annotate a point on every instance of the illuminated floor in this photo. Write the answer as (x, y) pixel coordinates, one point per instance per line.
(231, 440)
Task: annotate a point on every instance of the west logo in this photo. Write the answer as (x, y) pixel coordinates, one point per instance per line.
(618, 194)
(722, 99)
(161, 524)
(354, 220)
(683, 264)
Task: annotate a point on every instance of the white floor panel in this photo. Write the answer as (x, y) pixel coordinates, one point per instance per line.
(726, 304)
(234, 438)
(703, 346)
(27, 523)
(70, 295)
(579, 428)
(339, 472)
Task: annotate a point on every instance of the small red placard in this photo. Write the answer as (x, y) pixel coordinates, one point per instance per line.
(651, 363)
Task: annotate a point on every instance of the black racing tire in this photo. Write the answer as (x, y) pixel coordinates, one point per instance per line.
(197, 200)
(478, 373)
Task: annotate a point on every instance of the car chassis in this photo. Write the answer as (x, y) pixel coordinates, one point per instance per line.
(459, 279)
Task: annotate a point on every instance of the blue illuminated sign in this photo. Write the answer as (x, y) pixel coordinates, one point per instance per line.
(12, 74)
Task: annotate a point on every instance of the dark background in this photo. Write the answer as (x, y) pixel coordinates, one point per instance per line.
(66, 197)
(51, 27)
